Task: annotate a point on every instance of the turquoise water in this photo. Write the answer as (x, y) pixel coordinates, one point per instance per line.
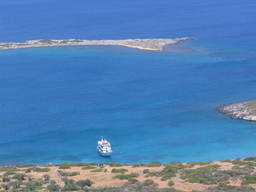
(153, 106)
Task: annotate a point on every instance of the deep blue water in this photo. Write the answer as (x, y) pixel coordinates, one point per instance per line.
(153, 106)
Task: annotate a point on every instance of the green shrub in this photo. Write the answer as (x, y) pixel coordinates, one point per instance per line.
(249, 164)
(33, 185)
(153, 174)
(5, 169)
(68, 174)
(237, 162)
(154, 164)
(122, 171)
(10, 172)
(250, 159)
(88, 167)
(126, 177)
(193, 163)
(52, 182)
(84, 183)
(53, 188)
(170, 183)
(236, 167)
(69, 181)
(139, 165)
(19, 177)
(64, 166)
(145, 171)
(70, 185)
(171, 190)
(46, 178)
(170, 170)
(75, 164)
(227, 161)
(228, 188)
(251, 103)
(249, 179)
(201, 175)
(81, 164)
(38, 169)
(46, 41)
(115, 164)
(148, 182)
(97, 170)
(132, 180)
(5, 179)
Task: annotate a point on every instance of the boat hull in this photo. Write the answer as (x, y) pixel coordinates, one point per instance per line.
(108, 154)
(104, 154)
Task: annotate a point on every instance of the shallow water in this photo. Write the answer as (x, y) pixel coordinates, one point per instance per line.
(153, 106)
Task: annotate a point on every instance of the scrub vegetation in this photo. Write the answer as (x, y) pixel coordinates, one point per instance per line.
(228, 175)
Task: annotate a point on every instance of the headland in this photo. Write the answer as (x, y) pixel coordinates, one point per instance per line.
(244, 110)
(237, 175)
(144, 44)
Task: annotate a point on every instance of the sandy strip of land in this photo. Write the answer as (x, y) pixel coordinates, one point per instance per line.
(144, 44)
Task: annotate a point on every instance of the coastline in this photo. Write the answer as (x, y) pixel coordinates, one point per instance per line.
(227, 175)
(143, 44)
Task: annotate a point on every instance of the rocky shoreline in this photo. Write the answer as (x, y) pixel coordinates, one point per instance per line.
(244, 110)
(145, 44)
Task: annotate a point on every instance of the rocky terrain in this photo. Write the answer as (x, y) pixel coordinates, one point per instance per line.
(245, 110)
(145, 44)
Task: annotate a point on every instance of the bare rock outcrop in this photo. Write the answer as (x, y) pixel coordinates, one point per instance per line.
(245, 110)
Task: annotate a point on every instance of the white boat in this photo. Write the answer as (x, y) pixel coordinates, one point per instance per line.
(104, 147)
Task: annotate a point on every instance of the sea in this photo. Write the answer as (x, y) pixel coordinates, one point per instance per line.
(56, 102)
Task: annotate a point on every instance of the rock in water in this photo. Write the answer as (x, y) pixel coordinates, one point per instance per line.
(244, 110)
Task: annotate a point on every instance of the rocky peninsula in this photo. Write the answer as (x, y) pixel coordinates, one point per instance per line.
(145, 44)
(244, 110)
